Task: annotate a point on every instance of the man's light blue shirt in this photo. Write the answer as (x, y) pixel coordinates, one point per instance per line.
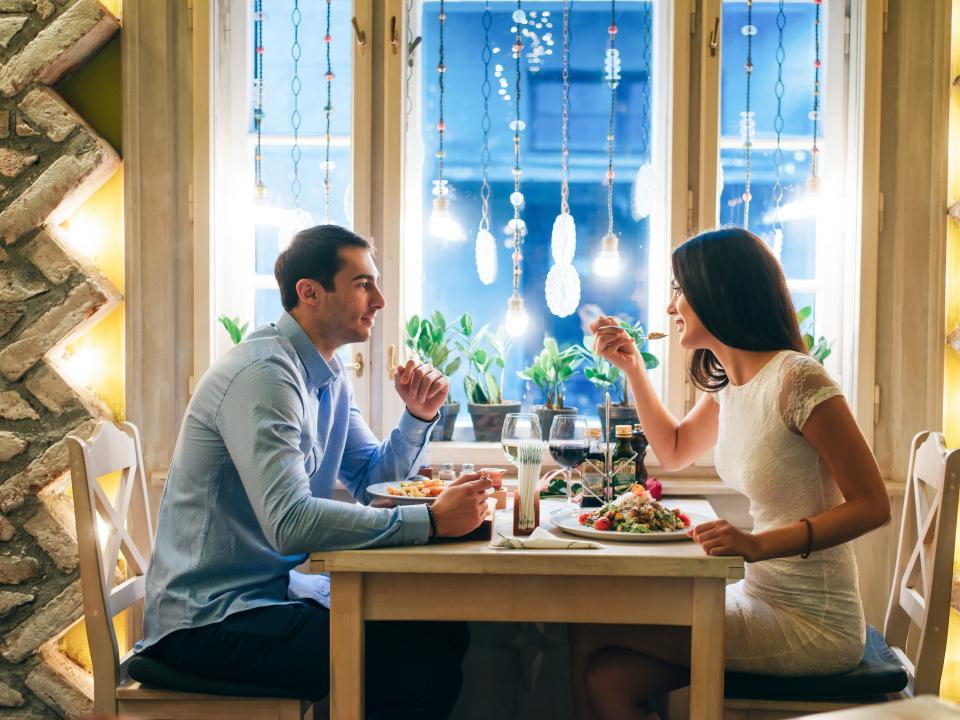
(267, 433)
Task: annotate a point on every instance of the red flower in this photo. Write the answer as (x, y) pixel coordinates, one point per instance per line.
(654, 488)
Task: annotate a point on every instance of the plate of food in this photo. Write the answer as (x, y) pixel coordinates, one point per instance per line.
(633, 517)
(416, 490)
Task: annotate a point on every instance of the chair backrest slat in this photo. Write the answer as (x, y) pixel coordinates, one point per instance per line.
(919, 607)
(127, 521)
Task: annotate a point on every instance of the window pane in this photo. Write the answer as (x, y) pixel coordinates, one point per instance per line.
(800, 206)
(451, 282)
(278, 67)
(268, 307)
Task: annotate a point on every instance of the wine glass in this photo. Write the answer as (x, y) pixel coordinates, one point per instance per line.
(517, 427)
(569, 447)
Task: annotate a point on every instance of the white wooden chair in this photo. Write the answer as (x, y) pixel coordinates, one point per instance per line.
(129, 529)
(915, 629)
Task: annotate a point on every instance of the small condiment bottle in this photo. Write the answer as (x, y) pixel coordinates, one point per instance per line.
(447, 472)
(467, 468)
(426, 471)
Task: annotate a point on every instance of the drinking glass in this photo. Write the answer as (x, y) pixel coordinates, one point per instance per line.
(569, 447)
(517, 427)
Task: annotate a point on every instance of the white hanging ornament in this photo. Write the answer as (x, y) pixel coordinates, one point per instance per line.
(486, 252)
(563, 239)
(563, 290)
(644, 192)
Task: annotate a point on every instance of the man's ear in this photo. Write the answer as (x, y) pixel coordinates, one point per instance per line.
(309, 291)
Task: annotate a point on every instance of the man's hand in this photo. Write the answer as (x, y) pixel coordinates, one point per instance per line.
(719, 537)
(422, 387)
(611, 342)
(461, 507)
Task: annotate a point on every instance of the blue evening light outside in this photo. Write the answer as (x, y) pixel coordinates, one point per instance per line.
(799, 235)
(451, 283)
(278, 172)
(450, 280)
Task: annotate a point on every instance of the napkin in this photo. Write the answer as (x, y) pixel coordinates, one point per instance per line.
(540, 539)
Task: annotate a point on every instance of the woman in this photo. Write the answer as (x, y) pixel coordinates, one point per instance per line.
(784, 437)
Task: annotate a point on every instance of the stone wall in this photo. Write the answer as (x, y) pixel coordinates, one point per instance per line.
(50, 162)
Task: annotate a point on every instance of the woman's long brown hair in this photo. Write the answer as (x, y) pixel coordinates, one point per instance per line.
(736, 287)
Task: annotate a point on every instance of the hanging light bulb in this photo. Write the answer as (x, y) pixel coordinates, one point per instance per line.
(607, 263)
(517, 318)
(443, 224)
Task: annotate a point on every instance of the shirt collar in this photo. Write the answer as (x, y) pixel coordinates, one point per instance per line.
(320, 373)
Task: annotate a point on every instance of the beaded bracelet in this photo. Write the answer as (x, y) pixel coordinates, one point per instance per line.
(809, 538)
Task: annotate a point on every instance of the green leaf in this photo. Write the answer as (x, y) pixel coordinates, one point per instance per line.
(650, 361)
(413, 326)
(804, 313)
(452, 367)
(492, 388)
(439, 321)
(466, 324)
(479, 357)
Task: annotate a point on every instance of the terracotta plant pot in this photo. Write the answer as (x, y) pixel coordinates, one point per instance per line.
(443, 430)
(488, 419)
(546, 415)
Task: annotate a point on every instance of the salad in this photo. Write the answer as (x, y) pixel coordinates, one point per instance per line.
(635, 512)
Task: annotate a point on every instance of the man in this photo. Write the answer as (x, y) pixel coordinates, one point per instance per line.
(270, 428)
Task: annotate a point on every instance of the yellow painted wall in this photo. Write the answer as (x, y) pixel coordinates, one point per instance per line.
(950, 683)
(95, 232)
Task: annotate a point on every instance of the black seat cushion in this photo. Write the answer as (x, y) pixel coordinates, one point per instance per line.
(877, 674)
(155, 674)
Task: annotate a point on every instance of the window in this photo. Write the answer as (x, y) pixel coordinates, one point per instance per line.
(452, 284)
(251, 231)
(663, 109)
(803, 231)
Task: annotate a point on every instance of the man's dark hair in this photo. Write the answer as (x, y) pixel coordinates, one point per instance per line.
(314, 253)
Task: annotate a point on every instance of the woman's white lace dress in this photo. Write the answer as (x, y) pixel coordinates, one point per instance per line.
(788, 616)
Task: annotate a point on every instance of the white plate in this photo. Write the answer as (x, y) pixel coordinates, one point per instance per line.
(570, 523)
(379, 490)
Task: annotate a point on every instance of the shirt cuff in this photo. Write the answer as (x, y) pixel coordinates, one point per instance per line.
(414, 524)
(414, 431)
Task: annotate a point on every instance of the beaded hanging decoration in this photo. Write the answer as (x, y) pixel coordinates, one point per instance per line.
(748, 121)
(813, 183)
(778, 90)
(612, 76)
(645, 183)
(486, 245)
(295, 118)
(328, 164)
(517, 125)
(440, 188)
(562, 286)
(260, 190)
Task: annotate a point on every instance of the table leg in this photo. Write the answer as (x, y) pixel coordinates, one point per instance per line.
(706, 649)
(346, 646)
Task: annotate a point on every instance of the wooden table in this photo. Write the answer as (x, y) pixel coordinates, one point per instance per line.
(923, 707)
(671, 583)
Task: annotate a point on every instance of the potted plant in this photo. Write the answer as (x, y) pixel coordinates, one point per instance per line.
(820, 349)
(608, 377)
(432, 341)
(549, 371)
(485, 356)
